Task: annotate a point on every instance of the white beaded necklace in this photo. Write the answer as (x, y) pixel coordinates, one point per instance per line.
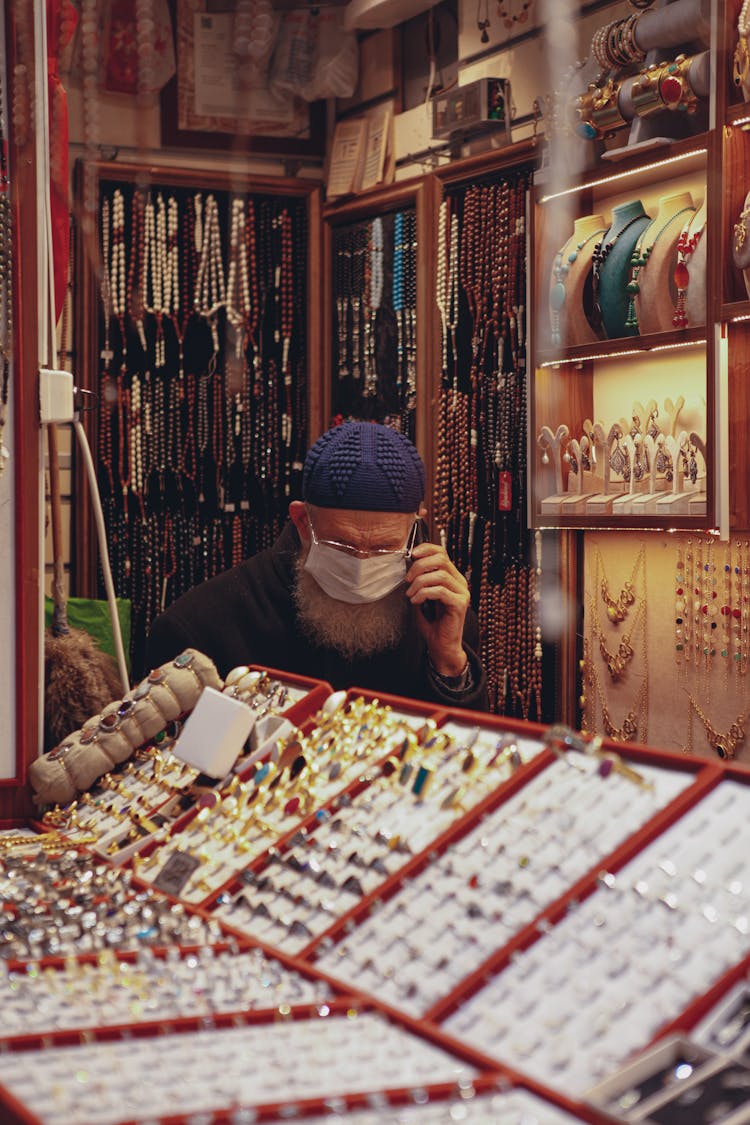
(105, 288)
(376, 296)
(452, 304)
(441, 281)
(238, 303)
(210, 285)
(117, 268)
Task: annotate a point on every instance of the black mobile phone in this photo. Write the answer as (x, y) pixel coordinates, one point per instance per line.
(420, 534)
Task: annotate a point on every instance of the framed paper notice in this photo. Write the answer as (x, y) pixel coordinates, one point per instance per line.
(215, 101)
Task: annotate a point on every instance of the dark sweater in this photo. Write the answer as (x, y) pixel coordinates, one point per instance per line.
(247, 615)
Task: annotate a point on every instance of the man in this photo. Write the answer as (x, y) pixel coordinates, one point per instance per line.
(347, 593)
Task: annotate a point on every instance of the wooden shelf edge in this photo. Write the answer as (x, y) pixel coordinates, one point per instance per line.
(629, 345)
(625, 523)
(635, 164)
(734, 310)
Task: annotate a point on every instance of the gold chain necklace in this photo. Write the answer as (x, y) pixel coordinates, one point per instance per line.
(635, 724)
(724, 744)
(617, 607)
(616, 662)
(46, 841)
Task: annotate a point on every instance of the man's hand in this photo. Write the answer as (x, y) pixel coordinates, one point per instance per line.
(432, 578)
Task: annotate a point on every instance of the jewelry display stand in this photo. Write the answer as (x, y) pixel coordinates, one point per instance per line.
(650, 289)
(697, 499)
(582, 483)
(657, 249)
(304, 953)
(659, 32)
(601, 503)
(629, 220)
(570, 284)
(677, 501)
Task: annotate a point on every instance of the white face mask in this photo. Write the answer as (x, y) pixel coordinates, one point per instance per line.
(348, 578)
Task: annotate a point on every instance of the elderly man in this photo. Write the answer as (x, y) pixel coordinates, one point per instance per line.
(348, 593)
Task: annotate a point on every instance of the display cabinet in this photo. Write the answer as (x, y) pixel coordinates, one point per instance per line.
(197, 331)
(376, 250)
(390, 934)
(629, 411)
(622, 401)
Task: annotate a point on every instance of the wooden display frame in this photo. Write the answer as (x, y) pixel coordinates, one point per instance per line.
(412, 193)
(563, 387)
(25, 585)
(84, 562)
(220, 137)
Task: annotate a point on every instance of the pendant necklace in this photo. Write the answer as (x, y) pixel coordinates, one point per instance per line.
(560, 270)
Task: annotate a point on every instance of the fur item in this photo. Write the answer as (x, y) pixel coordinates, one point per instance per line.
(79, 681)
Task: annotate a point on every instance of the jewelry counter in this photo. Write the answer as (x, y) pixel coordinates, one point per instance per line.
(387, 912)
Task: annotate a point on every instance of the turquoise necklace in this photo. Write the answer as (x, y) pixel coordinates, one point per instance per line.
(560, 270)
(639, 259)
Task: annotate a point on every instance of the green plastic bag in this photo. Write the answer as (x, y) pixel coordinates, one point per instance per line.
(93, 617)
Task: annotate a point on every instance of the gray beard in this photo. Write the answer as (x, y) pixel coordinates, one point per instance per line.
(352, 630)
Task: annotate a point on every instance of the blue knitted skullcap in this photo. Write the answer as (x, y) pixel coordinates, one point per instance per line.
(364, 466)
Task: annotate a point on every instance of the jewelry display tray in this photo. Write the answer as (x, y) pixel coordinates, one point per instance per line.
(587, 906)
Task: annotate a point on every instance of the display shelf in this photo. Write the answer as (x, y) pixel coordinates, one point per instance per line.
(578, 906)
(607, 355)
(375, 352)
(208, 1070)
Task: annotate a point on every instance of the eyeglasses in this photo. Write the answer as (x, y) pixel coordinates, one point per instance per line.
(368, 552)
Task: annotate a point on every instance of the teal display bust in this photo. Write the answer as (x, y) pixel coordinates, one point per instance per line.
(628, 220)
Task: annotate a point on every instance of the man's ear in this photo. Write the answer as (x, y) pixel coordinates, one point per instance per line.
(299, 517)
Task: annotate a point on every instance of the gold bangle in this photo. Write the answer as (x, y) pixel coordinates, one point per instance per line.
(599, 112)
(644, 93)
(674, 86)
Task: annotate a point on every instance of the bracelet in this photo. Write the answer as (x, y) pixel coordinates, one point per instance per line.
(614, 45)
(663, 86)
(460, 683)
(599, 111)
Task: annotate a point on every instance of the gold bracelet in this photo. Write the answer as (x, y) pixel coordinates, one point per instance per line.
(598, 111)
(662, 86)
(674, 86)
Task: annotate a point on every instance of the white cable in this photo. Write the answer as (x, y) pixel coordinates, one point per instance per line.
(102, 535)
